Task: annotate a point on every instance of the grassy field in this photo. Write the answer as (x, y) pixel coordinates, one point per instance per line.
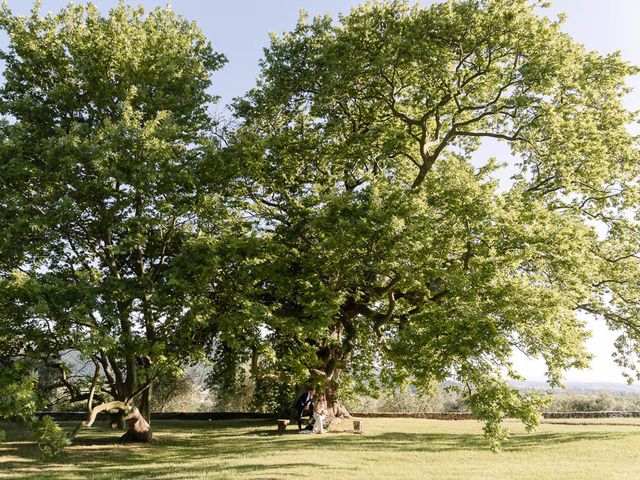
(389, 449)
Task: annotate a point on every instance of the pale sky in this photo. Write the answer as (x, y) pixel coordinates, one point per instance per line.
(240, 28)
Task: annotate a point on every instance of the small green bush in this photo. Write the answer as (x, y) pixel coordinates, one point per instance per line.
(19, 401)
(49, 436)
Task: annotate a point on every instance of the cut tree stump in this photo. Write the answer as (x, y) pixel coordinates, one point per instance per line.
(357, 426)
(282, 424)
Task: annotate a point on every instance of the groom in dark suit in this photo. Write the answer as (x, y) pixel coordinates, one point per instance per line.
(304, 404)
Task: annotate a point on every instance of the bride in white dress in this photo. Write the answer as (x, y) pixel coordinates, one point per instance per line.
(319, 413)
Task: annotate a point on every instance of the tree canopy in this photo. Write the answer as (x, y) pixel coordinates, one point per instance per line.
(342, 231)
(395, 254)
(113, 227)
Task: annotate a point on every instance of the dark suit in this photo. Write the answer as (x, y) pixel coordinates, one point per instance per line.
(305, 400)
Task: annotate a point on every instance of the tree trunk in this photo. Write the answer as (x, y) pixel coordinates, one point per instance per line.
(138, 429)
(335, 409)
(145, 403)
(328, 377)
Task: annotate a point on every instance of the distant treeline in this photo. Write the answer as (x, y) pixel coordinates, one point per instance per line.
(562, 401)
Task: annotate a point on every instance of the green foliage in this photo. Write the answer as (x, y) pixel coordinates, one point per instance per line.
(115, 240)
(17, 395)
(602, 401)
(19, 401)
(578, 401)
(274, 396)
(393, 256)
(407, 401)
(51, 439)
(176, 394)
(345, 235)
(234, 388)
(446, 400)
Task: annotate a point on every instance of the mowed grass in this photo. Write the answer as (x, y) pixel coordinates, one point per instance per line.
(395, 449)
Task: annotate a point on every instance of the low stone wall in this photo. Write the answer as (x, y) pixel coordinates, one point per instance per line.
(426, 415)
(601, 414)
(79, 416)
(468, 416)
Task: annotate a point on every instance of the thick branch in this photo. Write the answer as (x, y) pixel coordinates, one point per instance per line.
(94, 413)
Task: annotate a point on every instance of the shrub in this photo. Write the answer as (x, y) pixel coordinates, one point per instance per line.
(573, 401)
(18, 400)
(49, 436)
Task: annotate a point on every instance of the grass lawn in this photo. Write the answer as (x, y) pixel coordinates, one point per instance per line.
(395, 449)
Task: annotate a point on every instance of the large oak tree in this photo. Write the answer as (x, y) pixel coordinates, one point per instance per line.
(394, 253)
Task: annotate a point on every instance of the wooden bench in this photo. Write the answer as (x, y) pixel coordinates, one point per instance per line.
(283, 422)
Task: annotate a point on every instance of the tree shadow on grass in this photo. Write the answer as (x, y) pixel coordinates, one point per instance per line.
(161, 470)
(233, 441)
(443, 442)
(218, 450)
(96, 441)
(422, 442)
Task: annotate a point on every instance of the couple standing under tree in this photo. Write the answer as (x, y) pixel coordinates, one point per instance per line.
(306, 408)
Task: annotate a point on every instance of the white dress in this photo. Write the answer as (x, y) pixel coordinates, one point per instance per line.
(318, 415)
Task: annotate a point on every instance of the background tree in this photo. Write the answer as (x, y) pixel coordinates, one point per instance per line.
(394, 254)
(113, 230)
(178, 393)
